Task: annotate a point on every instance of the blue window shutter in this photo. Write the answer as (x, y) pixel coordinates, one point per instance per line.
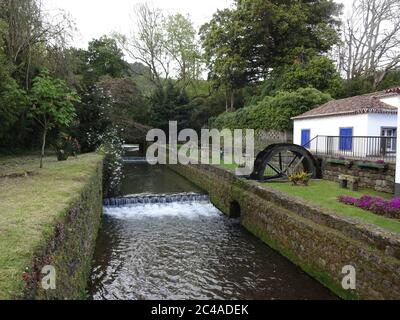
(346, 139)
(305, 138)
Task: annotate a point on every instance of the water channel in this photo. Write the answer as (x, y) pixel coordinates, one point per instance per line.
(169, 245)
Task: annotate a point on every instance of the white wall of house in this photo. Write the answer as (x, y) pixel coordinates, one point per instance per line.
(378, 121)
(393, 101)
(330, 126)
(362, 125)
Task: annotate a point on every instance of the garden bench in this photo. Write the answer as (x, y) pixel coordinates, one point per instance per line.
(347, 181)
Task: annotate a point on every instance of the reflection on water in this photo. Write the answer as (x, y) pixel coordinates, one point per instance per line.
(143, 178)
(187, 250)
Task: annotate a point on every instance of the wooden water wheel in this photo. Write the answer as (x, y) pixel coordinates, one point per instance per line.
(279, 161)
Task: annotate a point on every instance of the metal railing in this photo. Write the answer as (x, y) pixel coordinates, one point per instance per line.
(361, 147)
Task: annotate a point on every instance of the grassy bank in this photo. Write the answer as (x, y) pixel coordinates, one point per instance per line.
(325, 193)
(30, 207)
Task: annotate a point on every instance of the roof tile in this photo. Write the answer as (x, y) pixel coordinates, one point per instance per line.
(369, 103)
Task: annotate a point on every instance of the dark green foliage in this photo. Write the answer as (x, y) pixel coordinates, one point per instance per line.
(127, 99)
(12, 102)
(53, 105)
(169, 104)
(93, 117)
(272, 112)
(105, 58)
(307, 70)
(12, 98)
(243, 44)
(363, 85)
(391, 80)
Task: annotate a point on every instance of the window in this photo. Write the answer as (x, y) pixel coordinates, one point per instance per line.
(389, 136)
(305, 138)
(346, 139)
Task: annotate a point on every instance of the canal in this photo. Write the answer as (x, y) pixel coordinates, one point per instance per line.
(170, 244)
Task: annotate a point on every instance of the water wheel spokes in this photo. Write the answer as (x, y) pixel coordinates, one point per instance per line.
(279, 161)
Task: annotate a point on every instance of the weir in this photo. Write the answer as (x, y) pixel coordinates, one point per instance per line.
(155, 199)
(134, 160)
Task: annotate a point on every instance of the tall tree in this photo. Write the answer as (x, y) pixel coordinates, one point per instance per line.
(371, 40)
(52, 105)
(242, 45)
(181, 44)
(221, 43)
(12, 99)
(104, 57)
(30, 32)
(146, 43)
(308, 69)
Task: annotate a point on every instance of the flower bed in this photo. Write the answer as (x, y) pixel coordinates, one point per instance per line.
(377, 205)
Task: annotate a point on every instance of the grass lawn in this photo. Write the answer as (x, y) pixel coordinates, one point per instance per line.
(325, 193)
(229, 166)
(30, 207)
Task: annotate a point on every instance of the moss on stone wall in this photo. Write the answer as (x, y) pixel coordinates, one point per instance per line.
(70, 246)
(319, 242)
(382, 180)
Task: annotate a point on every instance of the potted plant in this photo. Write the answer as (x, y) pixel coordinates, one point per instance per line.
(378, 165)
(341, 162)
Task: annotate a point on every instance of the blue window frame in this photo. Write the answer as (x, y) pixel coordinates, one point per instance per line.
(346, 139)
(305, 138)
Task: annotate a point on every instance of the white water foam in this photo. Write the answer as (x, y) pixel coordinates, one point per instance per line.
(187, 210)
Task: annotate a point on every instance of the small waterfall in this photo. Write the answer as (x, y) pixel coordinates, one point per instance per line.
(134, 159)
(155, 199)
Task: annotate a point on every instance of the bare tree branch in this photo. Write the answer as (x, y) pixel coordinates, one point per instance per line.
(371, 40)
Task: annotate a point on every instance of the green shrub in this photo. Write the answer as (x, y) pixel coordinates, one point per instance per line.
(300, 178)
(66, 146)
(272, 112)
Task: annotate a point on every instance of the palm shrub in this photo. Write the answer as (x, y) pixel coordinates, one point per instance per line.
(300, 178)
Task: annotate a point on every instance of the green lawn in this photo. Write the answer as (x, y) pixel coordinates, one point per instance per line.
(229, 166)
(325, 193)
(30, 207)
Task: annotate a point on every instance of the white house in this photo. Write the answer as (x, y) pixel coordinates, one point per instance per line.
(359, 126)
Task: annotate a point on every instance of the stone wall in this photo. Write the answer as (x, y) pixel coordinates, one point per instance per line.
(379, 179)
(264, 138)
(318, 241)
(70, 249)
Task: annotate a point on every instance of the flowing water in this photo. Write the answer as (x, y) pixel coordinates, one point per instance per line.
(167, 241)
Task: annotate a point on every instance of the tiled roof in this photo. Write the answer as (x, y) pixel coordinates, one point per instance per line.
(369, 103)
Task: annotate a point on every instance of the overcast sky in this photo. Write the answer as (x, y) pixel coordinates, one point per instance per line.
(95, 18)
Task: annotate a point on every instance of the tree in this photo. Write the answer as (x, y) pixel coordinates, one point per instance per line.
(30, 31)
(12, 99)
(127, 100)
(94, 116)
(307, 70)
(104, 57)
(243, 45)
(226, 64)
(371, 40)
(169, 104)
(146, 43)
(52, 105)
(181, 44)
